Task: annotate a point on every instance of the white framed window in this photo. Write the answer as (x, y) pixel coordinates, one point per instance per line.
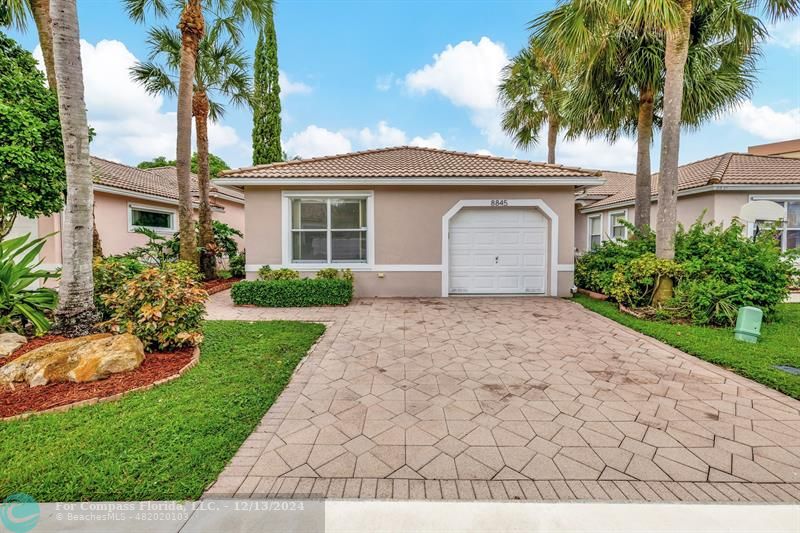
(328, 229)
(594, 232)
(616, 231)
(157, 219)
(788, 228)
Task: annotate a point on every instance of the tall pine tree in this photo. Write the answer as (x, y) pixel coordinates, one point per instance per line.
(267, 99)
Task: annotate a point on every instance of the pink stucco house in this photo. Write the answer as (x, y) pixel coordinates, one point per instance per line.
(415, 221)
(126, 197)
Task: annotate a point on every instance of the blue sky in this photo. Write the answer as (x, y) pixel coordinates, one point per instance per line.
(364, 74)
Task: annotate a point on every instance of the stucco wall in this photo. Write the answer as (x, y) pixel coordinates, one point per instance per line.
(718, 206)
(407, 231)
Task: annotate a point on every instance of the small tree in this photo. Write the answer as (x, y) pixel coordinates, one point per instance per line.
(215, 164)
(266, 101)
(32, 178)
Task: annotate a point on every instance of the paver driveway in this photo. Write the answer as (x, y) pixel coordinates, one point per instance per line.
(506, 398)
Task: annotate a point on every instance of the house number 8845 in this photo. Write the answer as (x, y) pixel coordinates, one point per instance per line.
(499, 203)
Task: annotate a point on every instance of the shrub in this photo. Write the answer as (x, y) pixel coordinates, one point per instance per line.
(236, 265)
(265, 273)
(718, 270)
(184, 269)
(634, 283)
(224, 274)
(110, 274)
(162, 307)
(594, 270)
(332, 273)
(293, 292)
(22, 307)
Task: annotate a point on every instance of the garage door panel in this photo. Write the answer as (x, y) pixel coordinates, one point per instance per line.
(498, 251)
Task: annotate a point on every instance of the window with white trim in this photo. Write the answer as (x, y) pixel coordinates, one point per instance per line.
(595, 231)
(788, 229)
(616, 229)
(329, 230)
(161, 220)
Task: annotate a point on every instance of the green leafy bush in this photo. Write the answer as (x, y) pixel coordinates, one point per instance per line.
(110, 274)
(333, 273)
(183, 268)
(162, 307)
(718, 269)
(634, 283)
(594, 270)
(22, 307)
(307, 292)
(265, 273)
(236, 265)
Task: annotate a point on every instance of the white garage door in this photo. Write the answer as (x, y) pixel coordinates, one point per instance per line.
(498, 251)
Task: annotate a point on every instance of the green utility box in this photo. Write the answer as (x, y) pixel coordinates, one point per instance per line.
(748, 324)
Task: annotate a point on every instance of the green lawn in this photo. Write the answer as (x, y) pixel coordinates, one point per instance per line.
(779, 343)
(166, 443)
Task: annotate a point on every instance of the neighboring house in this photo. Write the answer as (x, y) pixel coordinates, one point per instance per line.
(715, 188)
(784, 148)
(416, 221)
(128, 197)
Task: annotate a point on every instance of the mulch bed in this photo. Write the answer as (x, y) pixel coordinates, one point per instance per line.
(218, 285)
(155, 367)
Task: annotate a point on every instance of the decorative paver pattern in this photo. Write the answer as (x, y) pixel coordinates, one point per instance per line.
(509, 398)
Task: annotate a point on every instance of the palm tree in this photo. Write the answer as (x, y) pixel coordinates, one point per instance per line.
(220, 73)
(75, 314)
(732, 19)
(230, 14)
(618, 77)
(16, 12)
(532, 93)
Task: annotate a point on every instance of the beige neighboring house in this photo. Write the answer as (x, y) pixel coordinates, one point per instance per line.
(718, 186)
(416, 221)
(127, 197)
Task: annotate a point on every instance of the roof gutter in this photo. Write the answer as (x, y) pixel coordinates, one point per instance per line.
(699, 190)
(566, 180)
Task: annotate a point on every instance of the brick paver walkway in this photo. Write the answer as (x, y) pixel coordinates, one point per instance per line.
(509, 398)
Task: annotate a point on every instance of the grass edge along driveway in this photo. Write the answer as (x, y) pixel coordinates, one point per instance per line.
(166, 443)
(779, 343)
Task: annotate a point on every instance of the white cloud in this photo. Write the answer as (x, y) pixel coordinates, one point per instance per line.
(383, 136)
(130, 123)
(597, 153)
(434, 140)
(291, 87)
(384, 82)
(315, 141)
(767, 123)
(785, 33)
(483, 151)
(468, 74)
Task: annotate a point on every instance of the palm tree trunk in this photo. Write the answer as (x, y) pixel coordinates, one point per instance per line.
(677, 49)
(644, 136)
(207, 257)
(41, 16)
(552, 137)
(191, 27)
(75, 314)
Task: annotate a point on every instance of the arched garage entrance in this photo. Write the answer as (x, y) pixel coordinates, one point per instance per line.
(499, 247)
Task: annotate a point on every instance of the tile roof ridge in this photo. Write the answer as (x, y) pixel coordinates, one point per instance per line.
(719, 171)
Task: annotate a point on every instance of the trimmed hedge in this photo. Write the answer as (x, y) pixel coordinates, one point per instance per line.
(307, 292)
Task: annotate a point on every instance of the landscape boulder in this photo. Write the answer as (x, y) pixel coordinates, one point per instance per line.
(83, 359)
(10, 342)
